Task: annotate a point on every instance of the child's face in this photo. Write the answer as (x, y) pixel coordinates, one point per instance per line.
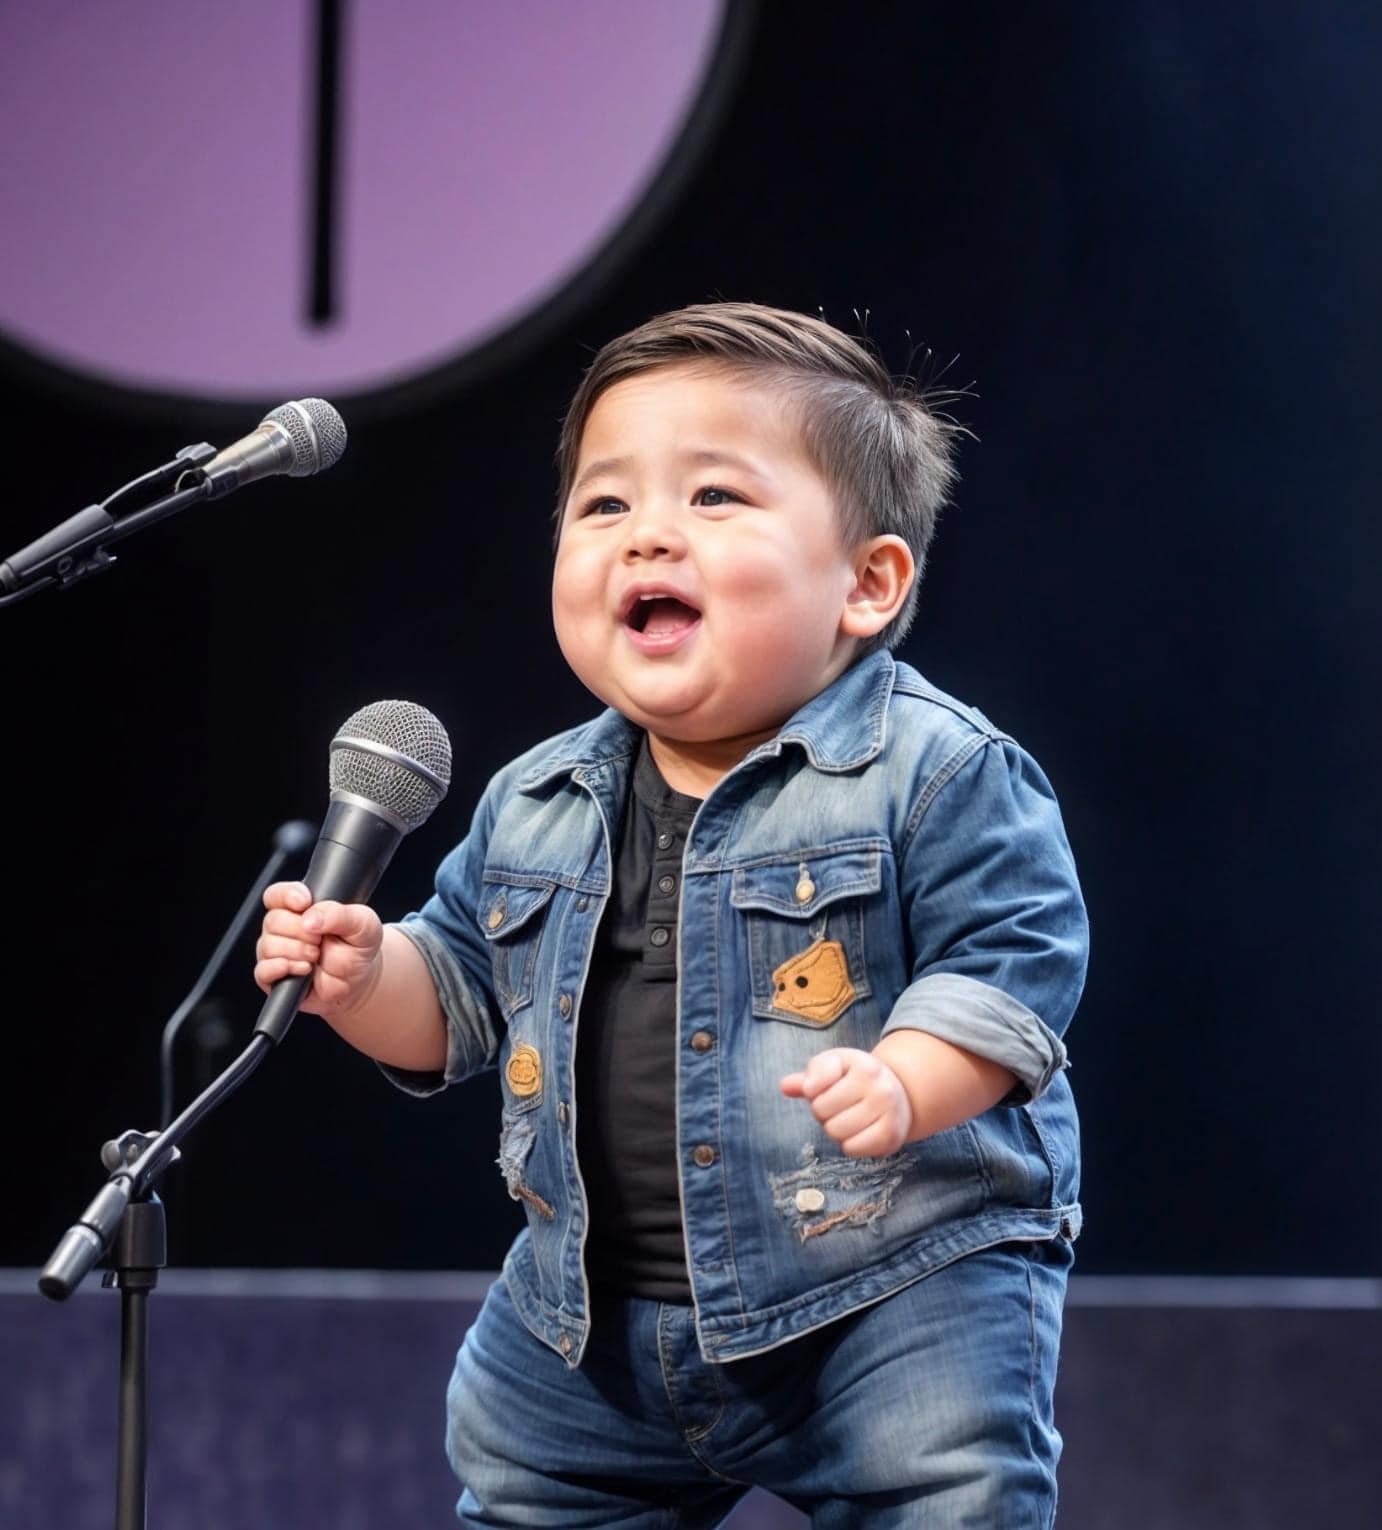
(701, 578)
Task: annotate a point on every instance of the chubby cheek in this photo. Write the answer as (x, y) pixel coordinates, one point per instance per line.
(577, 601)
(765, 610)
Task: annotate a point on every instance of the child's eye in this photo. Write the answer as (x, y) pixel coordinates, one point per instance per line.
(711, 495)
(605, 505)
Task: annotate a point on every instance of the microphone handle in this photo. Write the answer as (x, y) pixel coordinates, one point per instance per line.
(266, 451)
(355, 845)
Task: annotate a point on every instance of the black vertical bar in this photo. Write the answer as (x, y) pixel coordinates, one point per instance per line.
(132, 1454)
(321, 300)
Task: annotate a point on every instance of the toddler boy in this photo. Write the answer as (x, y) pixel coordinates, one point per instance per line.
(773, 958)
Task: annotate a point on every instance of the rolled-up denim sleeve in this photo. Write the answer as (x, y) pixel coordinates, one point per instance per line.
(447, 937)
(997, 921)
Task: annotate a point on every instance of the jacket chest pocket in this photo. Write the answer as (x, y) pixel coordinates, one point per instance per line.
(805, 920)
(511, 920)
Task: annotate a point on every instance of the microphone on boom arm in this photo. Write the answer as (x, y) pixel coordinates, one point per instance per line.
(299, 438)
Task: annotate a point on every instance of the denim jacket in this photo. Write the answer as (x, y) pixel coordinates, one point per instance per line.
(889, 859)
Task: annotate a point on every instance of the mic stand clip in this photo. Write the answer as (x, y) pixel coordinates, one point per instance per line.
(77, 546)
(137, 1253)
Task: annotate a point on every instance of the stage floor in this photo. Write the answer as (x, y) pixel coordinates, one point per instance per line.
(289, 1400)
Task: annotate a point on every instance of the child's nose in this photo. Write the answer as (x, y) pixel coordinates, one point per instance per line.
(652, 531)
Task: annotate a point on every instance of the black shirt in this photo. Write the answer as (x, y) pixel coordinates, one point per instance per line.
(626, 1105)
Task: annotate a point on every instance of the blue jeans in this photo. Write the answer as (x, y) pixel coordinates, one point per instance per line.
(932, 1408)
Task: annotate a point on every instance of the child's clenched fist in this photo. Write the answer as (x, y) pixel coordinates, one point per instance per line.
(857, 1098)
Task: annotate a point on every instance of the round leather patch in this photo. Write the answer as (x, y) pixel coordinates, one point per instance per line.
(524, 1071)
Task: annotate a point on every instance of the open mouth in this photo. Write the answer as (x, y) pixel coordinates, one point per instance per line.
(661, 616)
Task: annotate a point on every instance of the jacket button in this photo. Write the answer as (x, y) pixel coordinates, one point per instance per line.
(564, 1006)
(805, 889)
(564, 1344)
(664, 841)
(660, 935)
(704, 1155)
(702, 1041)
(667, 885)
(561, 1111)
(582, 904)
(496, 918)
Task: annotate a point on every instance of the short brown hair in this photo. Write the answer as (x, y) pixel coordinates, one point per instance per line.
(885, 454)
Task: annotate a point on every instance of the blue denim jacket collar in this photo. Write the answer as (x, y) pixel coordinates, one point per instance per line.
(840, 729)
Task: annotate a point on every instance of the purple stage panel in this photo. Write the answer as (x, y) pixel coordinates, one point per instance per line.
(159, 192)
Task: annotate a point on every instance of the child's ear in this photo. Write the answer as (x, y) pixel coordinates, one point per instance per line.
(883, 573)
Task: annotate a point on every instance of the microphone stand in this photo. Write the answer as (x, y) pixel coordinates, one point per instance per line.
(289, 839)
(77, 546)
(126, 1221)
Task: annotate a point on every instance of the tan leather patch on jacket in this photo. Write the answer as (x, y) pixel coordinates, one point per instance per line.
(815, 985)
(524, 1071)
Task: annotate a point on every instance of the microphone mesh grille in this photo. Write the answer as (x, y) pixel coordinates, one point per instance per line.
(411, 731)
(316, 446)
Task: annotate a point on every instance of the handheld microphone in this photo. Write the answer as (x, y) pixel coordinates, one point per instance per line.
(390, 767)
(299, 438)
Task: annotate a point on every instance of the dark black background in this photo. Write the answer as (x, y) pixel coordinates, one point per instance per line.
(1150, 234)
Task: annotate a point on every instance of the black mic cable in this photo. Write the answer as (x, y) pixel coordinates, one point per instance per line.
(291, 838)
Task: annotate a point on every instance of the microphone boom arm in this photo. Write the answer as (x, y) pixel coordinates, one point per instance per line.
(298, 438)
(87, 1240)
(76, 548)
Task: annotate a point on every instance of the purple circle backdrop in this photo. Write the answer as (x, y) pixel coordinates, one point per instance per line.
(157, 176)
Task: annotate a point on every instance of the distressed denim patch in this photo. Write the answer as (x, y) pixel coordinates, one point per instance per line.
(826, 1193)
(516, 1139)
